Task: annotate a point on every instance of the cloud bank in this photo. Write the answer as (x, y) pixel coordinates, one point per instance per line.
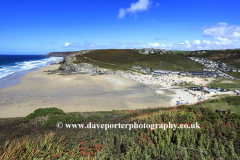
(226, 37)
(222, 30)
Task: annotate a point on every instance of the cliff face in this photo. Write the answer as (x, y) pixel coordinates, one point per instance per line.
(68, 67)
(60, 54)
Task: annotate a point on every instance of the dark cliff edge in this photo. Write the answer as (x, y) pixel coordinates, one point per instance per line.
(60, 54)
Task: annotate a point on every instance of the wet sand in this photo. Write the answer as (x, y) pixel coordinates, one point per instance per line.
(76, 93)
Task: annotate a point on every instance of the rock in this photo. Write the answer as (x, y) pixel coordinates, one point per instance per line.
(68, 67)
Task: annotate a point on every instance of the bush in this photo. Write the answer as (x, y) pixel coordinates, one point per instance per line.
(214, 101)
(44, 112)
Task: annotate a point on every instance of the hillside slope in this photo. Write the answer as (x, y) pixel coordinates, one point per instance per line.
(60, 54)
(128, 57)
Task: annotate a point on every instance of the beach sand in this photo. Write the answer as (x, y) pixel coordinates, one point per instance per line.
(76, 93)
(84, 93)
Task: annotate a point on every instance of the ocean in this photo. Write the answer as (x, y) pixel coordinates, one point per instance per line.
(12, 67)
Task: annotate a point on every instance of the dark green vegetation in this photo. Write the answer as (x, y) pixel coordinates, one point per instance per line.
(231, 57)
(124, 59)
(234, 74)
(218, 137)
(60, 54)
(44, 112)
(181, 52)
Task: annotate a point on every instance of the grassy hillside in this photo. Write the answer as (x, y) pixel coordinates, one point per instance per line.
(227, 84)
(231, 57)
(182, 52)
(217, 137)
(127, 58)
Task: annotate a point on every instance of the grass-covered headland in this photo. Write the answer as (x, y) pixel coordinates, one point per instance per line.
(37, 137)
(123, 59)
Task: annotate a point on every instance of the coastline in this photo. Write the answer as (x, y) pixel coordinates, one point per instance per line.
(75, 93)
(86, 93)
(14, 78)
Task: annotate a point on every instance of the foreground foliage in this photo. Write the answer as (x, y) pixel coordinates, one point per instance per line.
(217, 137)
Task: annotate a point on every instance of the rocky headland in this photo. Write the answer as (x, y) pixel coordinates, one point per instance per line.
(69, 67)
(60, 54)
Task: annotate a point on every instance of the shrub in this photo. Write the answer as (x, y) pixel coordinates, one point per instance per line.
(44, 112)
(214, 101)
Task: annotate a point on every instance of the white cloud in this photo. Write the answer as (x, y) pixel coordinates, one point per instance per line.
(66, 44)
(196, 42)
(141, 5)
(226, 37)
(157, 5)
(222, 30)
(206, 42)
(188, 46)
(221, 43)
(121, 13)
(154, 44)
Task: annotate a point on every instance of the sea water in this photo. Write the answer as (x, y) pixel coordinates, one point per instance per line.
(14, 66)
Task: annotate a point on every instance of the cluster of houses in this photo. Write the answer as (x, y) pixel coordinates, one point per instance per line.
(218, 74)
(208, 89)
(200, 51)
(213, 74)
(214, 66)
(151, 51)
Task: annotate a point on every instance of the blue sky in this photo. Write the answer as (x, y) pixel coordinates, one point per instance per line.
(43, 26)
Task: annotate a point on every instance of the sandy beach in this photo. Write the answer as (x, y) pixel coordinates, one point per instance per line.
(83, 92)
(75, 93)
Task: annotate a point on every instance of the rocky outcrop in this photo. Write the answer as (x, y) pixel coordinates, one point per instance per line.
(68, 67)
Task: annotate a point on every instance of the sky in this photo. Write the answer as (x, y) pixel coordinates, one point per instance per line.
(43, 26)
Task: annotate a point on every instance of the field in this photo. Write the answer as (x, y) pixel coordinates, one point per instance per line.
(124, 59)
(217, 137)
(181, 52)
(226, 84)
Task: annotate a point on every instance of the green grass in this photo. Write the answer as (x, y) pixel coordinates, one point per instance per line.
(220, 95)
(227, 102)
(182, 52)
(234, 74)
(219, 83)
(126, 58)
